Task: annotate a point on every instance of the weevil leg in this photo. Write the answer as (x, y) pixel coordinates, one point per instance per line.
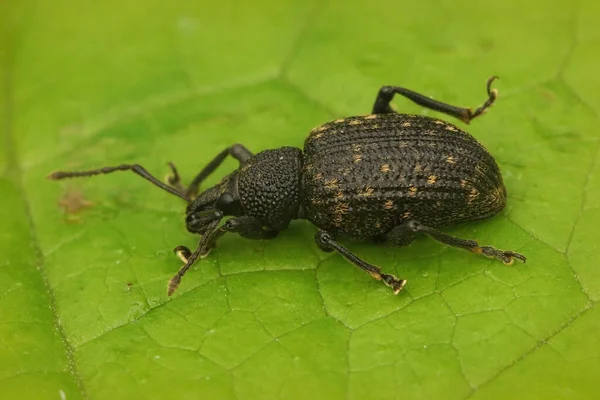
(138, 169)
(245, 226)
(414, 227)
(327, 243)
(386, 94)
(237, 151)
(207, 242)
(183, 253)
(249, 228)
(174, 179)
(190, 258)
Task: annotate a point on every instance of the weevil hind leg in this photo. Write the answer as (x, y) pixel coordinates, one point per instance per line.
(386, 94)
(327, 243)
(410, 229)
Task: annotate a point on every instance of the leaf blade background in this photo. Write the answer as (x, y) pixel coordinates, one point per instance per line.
(95, 84)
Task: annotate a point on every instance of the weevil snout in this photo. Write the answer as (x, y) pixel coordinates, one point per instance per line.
(213, 204)
(199, 222)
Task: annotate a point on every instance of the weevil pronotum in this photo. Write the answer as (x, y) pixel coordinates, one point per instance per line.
(384, 177)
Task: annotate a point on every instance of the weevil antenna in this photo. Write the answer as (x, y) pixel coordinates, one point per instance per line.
(135, 168)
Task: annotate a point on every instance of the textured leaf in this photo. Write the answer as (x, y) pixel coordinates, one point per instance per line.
(84, 263)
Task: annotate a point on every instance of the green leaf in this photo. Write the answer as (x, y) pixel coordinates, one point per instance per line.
(83, 305)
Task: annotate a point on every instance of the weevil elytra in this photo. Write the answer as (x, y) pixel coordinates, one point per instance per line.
(384, 177)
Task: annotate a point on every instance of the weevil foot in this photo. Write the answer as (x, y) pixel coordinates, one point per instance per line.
(507, 257)
(183, 253)
(393, 282)
(174, 180)
(492, 96)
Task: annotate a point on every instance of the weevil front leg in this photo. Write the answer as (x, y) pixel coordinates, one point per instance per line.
(246, 226)
(404, 233)
(249, 228)
(237, 151)
(386, 94)
(327, 243)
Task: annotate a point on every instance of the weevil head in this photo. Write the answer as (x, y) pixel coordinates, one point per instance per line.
(266, 186)
(213, 204)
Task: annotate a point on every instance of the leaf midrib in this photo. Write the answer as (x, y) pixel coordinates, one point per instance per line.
(14, 173)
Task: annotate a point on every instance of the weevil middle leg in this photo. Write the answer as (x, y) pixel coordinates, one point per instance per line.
(386, 94)
(327, 243)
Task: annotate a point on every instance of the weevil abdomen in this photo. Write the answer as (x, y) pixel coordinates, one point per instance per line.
(364, 175)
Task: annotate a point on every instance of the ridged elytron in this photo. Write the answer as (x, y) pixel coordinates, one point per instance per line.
(384, 177)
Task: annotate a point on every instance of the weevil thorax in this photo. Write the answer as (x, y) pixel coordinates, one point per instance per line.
(269, 186)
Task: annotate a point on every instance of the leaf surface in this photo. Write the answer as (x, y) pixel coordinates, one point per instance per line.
(84, 263)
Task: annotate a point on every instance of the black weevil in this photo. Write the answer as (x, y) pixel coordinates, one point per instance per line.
(384, 177)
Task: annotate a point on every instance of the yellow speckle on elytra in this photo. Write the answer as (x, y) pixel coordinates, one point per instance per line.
(371, 116)
(366, 192)
(412, 191)
(332, 183)
(339, 121)
(388, 205)
(438, 122)
(341, 208)
(320, 128)
(385, 168)
(451, 160)
(431, 180)
(356, 158)
(451, 128)
(355, 122)
(473, 194)
(406, 124)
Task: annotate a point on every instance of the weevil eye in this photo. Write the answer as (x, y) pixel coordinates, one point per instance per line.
(229, 205)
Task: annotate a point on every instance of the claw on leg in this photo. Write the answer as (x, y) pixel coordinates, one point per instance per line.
(492, 96)
(507, 257)
(327, 243)
(393, 282)
(174, 179)
(183, 253)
